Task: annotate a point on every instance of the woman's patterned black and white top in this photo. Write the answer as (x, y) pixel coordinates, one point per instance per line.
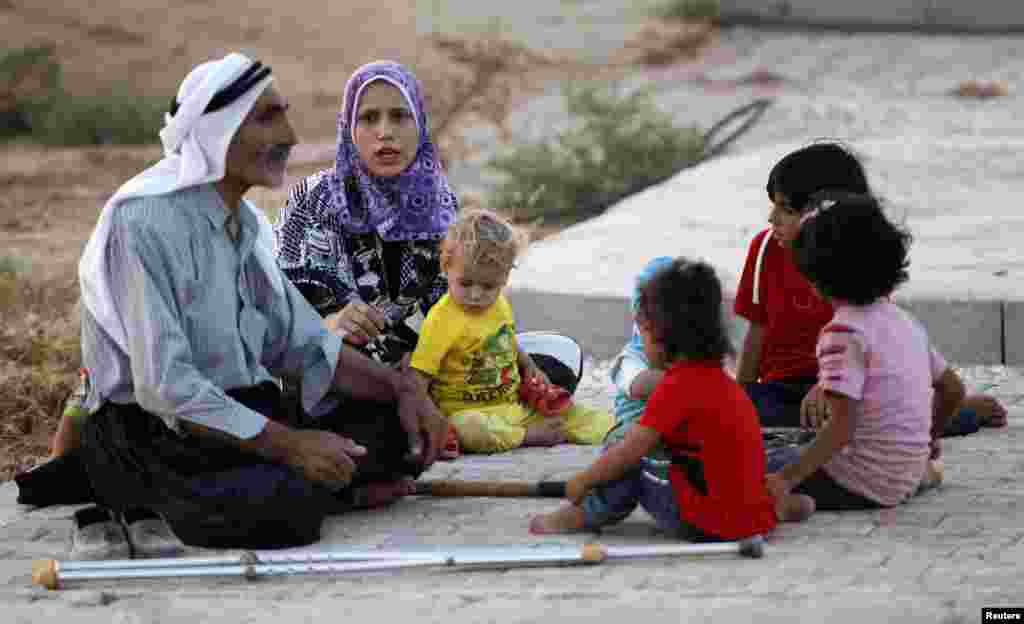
(332, 267)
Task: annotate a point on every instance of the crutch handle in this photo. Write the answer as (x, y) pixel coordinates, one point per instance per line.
(44, 572)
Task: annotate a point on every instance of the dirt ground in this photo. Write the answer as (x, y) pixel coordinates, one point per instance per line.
(50, 197)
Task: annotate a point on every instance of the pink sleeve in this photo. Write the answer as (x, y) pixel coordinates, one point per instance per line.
(937, 362)
(841, 360)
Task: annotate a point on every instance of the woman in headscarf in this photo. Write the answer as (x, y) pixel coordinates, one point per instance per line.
(361, 240)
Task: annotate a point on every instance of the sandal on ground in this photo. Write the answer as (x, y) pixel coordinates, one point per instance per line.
(150, 535)
(97, 535)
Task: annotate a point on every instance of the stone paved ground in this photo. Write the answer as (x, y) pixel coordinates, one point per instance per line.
(940, 558)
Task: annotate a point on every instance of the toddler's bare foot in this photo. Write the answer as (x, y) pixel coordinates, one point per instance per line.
(991, 413)
(794, 508)
(544, 434)
(566, 519)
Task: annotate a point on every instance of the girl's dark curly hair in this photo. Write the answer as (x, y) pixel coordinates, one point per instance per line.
(682, 304)
(850, 250)
(817, 167)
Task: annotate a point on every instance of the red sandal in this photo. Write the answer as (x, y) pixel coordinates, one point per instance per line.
(545, 397)
(451, 449)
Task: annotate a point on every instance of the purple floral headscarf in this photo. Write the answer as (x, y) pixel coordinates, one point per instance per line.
(417, 204)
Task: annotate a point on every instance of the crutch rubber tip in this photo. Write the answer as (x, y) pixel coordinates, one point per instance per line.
(44, 572)
(593, 553)
(752, 547)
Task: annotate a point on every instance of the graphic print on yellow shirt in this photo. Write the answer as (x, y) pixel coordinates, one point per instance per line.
(472, 358)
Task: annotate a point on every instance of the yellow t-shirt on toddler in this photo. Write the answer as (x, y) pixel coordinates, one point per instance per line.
(472, 358)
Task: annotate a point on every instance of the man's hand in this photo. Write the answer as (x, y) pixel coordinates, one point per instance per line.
(323, 456)
(357, 323)
(814, 410)
(426, 427)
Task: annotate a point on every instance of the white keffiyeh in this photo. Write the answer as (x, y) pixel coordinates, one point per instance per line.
(195, 150)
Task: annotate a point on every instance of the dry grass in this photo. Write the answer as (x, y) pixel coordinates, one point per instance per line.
(39, 356)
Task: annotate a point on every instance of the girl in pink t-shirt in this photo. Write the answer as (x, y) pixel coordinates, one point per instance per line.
(889, 392)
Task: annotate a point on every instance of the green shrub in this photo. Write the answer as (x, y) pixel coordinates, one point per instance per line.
(36, 105)
(11, 265)
(117, 117)
(619, 145)
(691, 9)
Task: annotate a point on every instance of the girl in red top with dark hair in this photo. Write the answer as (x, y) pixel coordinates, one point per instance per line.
(699, 414)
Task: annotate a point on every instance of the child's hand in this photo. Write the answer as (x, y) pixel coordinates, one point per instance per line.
(533, 373)
(577, 488)
(814, 408)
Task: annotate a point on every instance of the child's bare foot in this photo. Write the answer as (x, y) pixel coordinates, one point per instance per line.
(544, 434)
(794, 508)
(566, 519)
(381, 493)
(66, 438)
(991, 413)
(933, 475)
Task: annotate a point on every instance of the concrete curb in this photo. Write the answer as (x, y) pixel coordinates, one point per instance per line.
(983, 17)
(965, 331)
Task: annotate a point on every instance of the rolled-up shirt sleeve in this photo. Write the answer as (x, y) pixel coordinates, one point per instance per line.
(165, 378)
(842, 361)
(625, 368)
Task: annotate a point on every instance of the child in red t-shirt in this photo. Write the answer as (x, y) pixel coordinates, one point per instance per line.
(699, 414)
(777, 364)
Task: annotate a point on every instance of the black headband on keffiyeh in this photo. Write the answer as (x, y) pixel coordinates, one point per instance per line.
(247, 80)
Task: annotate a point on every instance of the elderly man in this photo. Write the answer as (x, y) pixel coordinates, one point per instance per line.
(187, 325)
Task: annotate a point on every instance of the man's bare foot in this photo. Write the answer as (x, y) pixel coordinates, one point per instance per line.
(544, 434)
(566, 519)
(991, 413)
(381, 493)
(794, 508)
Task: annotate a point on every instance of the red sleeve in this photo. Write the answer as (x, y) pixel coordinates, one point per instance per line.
(744, 305)
(664, 411)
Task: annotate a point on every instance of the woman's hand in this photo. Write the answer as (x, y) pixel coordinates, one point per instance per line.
(357, 323)
(814, 410)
